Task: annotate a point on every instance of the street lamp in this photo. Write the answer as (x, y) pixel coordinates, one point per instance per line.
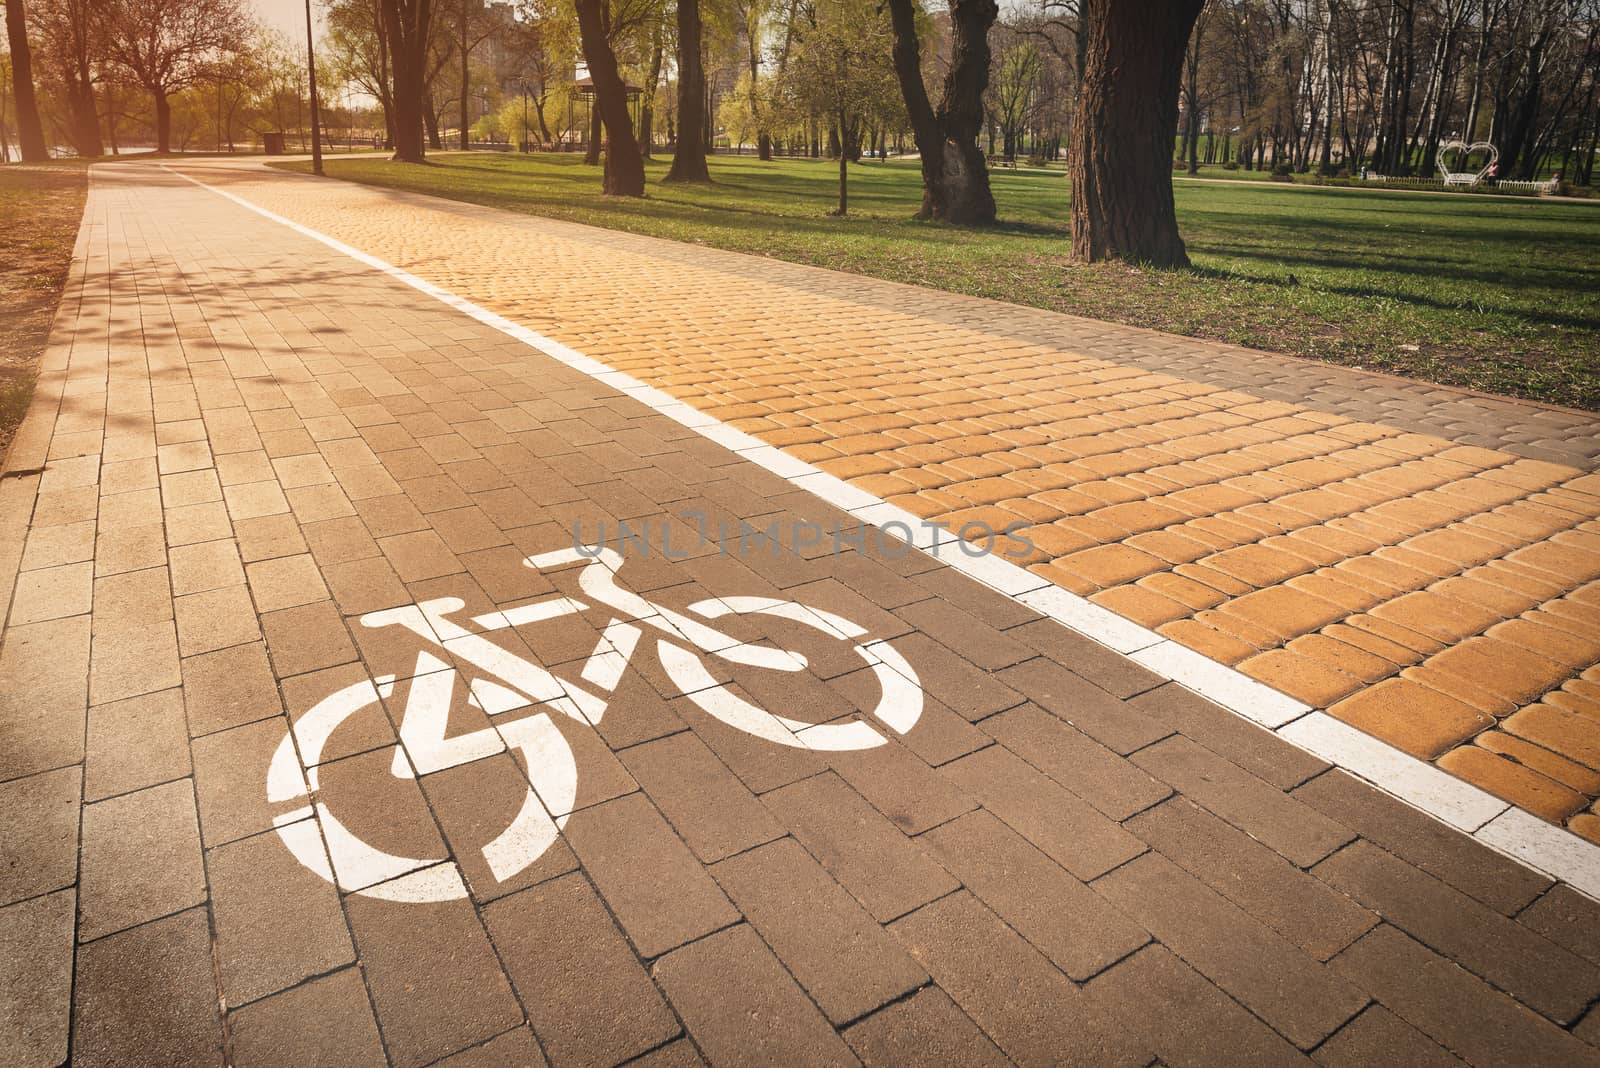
(311, 69)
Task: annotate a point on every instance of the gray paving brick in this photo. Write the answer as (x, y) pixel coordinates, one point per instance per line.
(1259, 752)
(1377, 1036)
(883, 869)
(1065, 828)
(1298, 906)
(141, 859)
(136, 743)
(926, 1030)
(829, 943)
(276, 923)
(148, 996)
(36, 979)
(44, 671)
(1066, 921)
(1568, 919)
(326, 1021)
(473, 804)
(1453, 1007)
(1537, 972)
(556, 938)
(657, 889)
(1084, 705)
(713, 811)
(1295, 830)
(1028, 1008)
(1294, 993)
(515, 1047)
(1184, 1018)
(39, 833)
(435, 981)
(1107, 781)
(742, 1008)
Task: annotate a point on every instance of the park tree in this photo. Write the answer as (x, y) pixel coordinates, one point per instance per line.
(30, 132)
(840, 69)
(473, 25)
(955, 178)
(70, 38)
(168, 45)
(752, 18)
(1013, 90)
(689, 154)
(1121, 159)
(407, 25)
(624, 167)
(544, 40)
(359, 46)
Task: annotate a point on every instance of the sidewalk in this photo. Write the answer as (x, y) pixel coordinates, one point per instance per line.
(225, 782)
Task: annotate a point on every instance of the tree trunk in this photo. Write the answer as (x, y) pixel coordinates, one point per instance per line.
(406, 23)
(85, 121)
(844, 175)
(955, 178)
(689, 155)
(430, 122)
(163, 122)
(30, 132)
(1121, 162)
(647, 110)
(591, 155)
(624, 172)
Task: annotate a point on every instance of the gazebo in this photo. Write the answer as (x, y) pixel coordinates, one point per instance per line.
(584, 88)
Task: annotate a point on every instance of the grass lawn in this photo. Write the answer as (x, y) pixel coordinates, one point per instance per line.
(40, 208)
(1497, 295)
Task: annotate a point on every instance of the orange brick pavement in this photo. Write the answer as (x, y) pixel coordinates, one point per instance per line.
(1444, 597)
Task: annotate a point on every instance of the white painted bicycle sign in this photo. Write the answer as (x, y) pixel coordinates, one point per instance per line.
(521, 698)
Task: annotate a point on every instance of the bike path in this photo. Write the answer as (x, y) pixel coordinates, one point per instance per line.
(283, 777)
(1422, 563)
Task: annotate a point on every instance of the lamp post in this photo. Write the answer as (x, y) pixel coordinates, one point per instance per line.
(311, 69)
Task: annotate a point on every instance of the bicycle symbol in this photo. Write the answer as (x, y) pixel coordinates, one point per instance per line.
(511, 684)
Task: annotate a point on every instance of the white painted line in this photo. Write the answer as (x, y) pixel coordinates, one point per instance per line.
(1553, 850)
(998, 573)
(1546, 848)
(1090, 620)
(1431, 789)
(729, 438)
(779, 462)
(1227, 687)
(836, 491)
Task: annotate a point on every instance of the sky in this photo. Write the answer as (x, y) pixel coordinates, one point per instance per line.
(289, 16)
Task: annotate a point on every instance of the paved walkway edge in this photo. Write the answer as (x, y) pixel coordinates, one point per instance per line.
(1542, 846)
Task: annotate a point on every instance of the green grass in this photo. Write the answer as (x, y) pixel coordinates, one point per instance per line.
(1497, 295)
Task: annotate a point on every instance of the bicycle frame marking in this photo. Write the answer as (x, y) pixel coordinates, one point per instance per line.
(508, 683)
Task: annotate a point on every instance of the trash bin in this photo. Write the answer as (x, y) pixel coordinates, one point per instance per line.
(272, 142)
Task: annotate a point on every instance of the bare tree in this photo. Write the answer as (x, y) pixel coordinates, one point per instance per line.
(168, 45)
(68, 32)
